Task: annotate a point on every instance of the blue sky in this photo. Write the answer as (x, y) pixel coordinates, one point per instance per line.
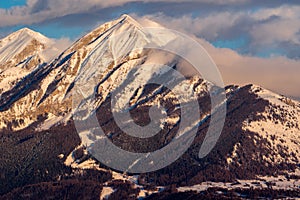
(58, 19)
(68, 20)
(10, 3)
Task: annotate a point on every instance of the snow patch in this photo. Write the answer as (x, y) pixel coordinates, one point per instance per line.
(106, 192)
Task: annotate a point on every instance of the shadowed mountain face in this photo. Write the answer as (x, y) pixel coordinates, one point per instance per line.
(43, 154)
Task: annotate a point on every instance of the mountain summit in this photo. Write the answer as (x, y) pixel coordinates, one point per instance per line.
(22, 44)
(52, 83)
(20, 53)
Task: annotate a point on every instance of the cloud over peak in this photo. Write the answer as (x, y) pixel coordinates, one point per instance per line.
(242, 36)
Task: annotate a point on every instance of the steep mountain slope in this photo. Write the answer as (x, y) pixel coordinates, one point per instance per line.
(239, 155)
(19, 45)
(260, 138)
(279, 126)
(52, 84)
(20, 53)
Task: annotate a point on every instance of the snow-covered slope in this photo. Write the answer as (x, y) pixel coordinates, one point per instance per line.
(279, 126)
(24, 43)
(20, 53)
(52, 93)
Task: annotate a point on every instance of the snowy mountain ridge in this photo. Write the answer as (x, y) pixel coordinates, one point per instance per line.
(59, 75)
(20, 53)
(22, 44)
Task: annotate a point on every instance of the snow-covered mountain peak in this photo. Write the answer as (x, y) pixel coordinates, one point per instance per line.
(126, 17)
(21, 45)
(33, 34)
(20, 53)
(25, 35)
(124, 25)
(111, 46)
(129, 19)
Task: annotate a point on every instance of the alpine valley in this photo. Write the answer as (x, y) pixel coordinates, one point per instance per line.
(43, 157)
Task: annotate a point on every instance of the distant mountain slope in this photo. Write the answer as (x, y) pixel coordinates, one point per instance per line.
(22, 44)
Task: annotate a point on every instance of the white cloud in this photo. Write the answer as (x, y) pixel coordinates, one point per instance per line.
(40, 10)
(286, 27)
(279, 74)
(209, 26)
(277, 28)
